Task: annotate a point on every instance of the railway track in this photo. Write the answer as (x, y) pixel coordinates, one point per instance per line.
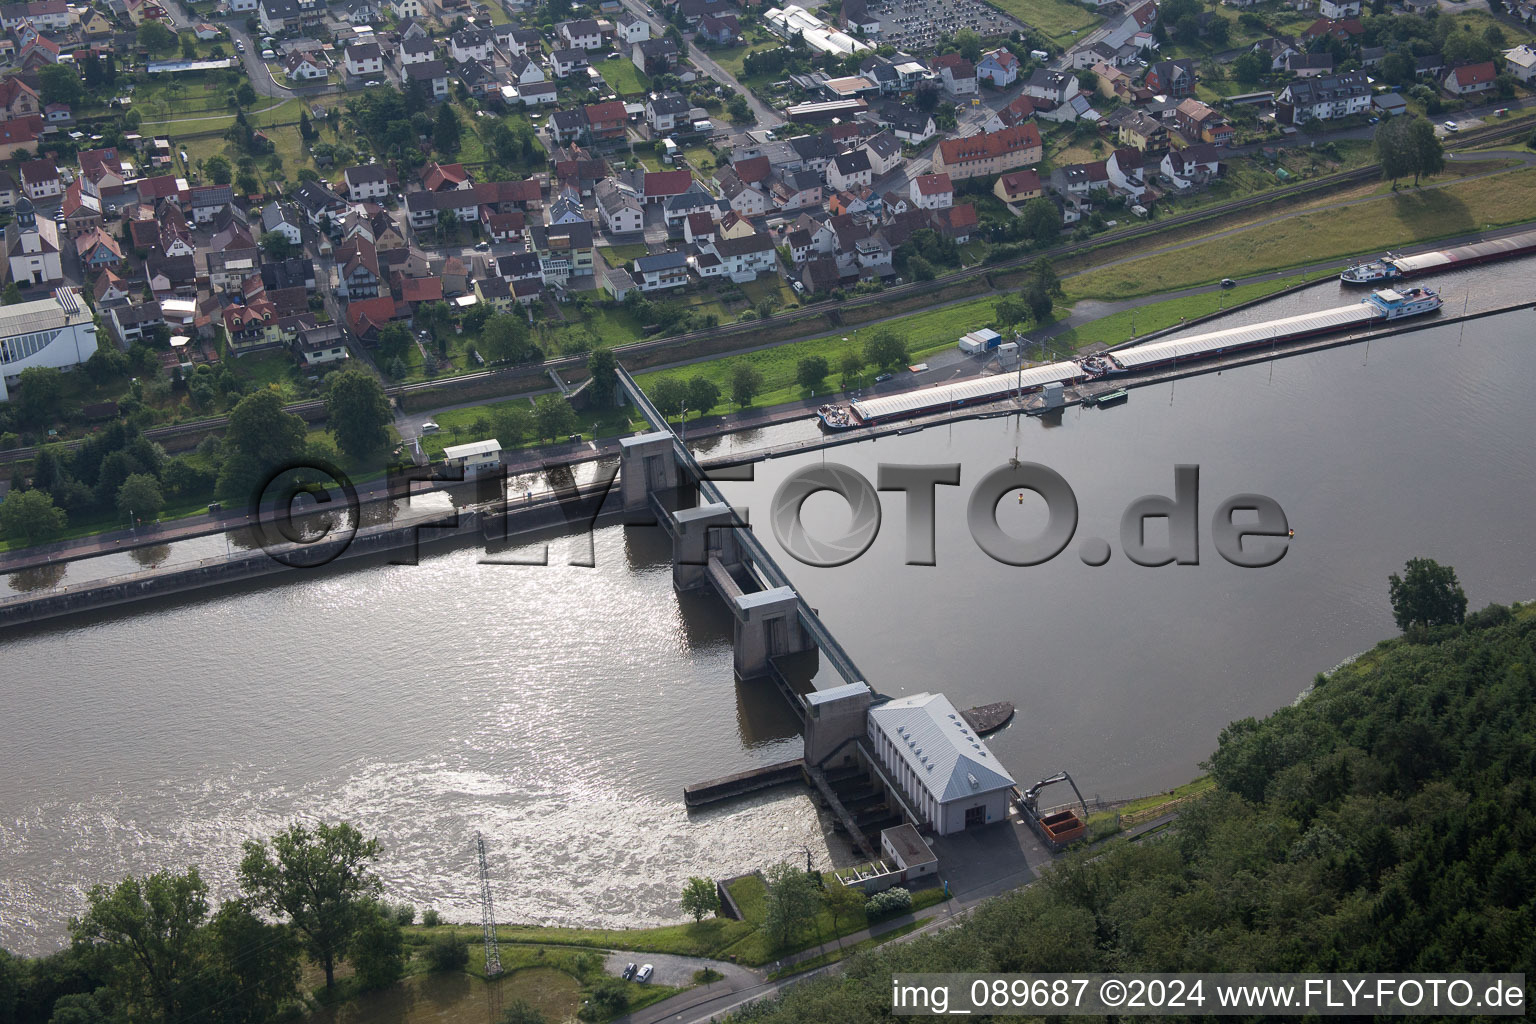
(314, 409)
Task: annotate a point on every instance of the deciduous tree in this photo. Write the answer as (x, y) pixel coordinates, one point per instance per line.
(357, 412)
(149, 928)
(554, 416)
(320, 879)
(700, 898)
(811, 371)
(789, 904)
(884, 349)
(140, 497)
(31, 516)
(746, 381)
(1427, 594)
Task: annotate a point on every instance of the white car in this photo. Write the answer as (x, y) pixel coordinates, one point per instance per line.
(645, 974)
(430, 427)
(1452, 126)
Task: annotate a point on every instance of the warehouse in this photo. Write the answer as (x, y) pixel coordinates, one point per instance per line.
(943, 768)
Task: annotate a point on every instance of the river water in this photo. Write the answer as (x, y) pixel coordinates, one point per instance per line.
(560, 710)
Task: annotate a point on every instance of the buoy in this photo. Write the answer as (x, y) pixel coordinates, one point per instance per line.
(1290, 533)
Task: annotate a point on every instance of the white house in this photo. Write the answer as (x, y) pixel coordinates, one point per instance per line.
(58, 331)
(306, 66)
(1521, 62)
(1000, 67)
(473, 457)
(1052, 86)
(416, 50)
(619, 207)
(663, 270)
(849, 169)
(470, 43)
(584, 34)
(1339, 8)
(932, 191)
(284, 219)
(742, 258)
(632, 29)
(370, 181)
(941, 767)
(364, 59)
(1323, 98)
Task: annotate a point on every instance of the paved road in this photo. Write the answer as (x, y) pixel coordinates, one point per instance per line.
(766, 116)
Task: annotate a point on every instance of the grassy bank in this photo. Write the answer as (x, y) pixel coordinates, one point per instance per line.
(1387, 222)
(1156, 316)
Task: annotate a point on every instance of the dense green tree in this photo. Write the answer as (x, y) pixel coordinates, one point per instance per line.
(600, 365)
(969, 44)
(149, 928)
(447, 952)
(843, 903)
(513, 424)
(738, 108)
(746, 382)
(505, 339)
(139, 496)
(700, 898)
(670, 395)
(884, 349)
(1038, 299)
(554, 417)
(31, 516)
(218, 170)
(447, 133)
(357, 412)
(77, 1008)
(244, 94)
(1427, 594)
(41, 389)
(1428, 151)
(61, 84)
(850, 366)
(156, 38)
(1042, 221)
(1394, 149)
(703, 393)
(790, 903)
(1249, 68)
(254, 965)
(378, 948)
(11, 295)
(276, 245)
(320, 879)
(394, 341)
(811, 371)
(261, 439)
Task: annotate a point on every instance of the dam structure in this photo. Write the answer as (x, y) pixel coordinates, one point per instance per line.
(878, 763)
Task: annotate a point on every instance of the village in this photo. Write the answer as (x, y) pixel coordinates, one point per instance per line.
(671, 168)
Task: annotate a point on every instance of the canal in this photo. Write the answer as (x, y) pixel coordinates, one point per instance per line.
(561, 709)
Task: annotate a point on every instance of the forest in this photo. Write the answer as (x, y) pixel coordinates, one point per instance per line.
(1384, 823)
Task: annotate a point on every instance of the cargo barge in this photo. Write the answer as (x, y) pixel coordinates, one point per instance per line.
(1381, 305)
(1390, 267)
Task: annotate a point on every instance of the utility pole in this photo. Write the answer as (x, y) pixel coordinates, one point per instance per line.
(488, 926)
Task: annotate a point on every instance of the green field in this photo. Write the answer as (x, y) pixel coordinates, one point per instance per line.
(623, 77)
(1387, 222)
(926, 333)
(1156, 316)
(1055, 18)
(619, 255)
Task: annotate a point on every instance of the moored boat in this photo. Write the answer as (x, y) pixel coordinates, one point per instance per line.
(1370, 271)
(835, 417)
(1391, 304)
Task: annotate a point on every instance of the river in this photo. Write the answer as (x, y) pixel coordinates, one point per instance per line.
(560, 710)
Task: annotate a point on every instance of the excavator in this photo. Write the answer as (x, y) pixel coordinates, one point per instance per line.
(1058, 829)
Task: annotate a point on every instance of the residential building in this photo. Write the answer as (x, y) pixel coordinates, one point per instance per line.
(416, 50)
(654, 56)
(1521, 63)
(989, 152)
(432, 73)
(850, 169)
(580, 35)
(1018, 186)
(999, 67)
(932, 191)
(471, 43)
(1172, 78)
(1470, 79)
(630, 28)
(40, 179)
(364, 59)
(1050, 86)
(957, 74)
(619, 207)
(369, 181)
(565, 63)
(1324, 98)
(306, 66)
(743, 257)
(661, 271)
(1199, 122)
(564, 251)
(666, 111)
(1191, 166)
(285, 219)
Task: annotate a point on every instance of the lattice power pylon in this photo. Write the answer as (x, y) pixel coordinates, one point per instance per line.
(488, 923)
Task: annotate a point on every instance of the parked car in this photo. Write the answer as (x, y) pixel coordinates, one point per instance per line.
(482, 246)
(798, 287)
(1452, 126)
(430, 427)
(645, 974)
(882, 378)
(629, 970)
(613, 56)
(239, 46)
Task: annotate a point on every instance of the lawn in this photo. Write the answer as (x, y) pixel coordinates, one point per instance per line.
(475, 423)
(1384, 223)
(623, 77)
(1117, 327)
(619, 255)
(733, 59)
(1056, 18)
(926, 333)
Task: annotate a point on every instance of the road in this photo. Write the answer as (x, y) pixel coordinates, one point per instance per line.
(766, 116)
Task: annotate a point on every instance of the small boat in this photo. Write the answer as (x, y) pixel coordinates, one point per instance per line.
(835, 417)
(1394, 305)
(1111, 397)
(1371, 270)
